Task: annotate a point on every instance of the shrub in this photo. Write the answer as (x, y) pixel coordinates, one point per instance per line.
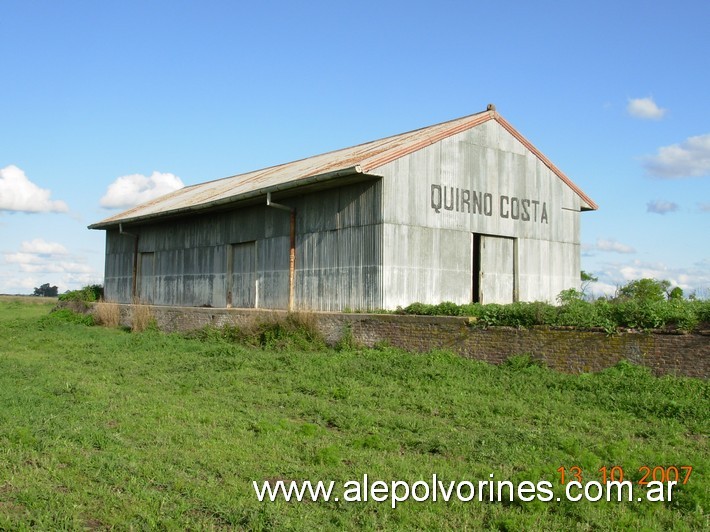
(701, 309)
(644, 290)
(569, 295)
(528, 314)
(579, 313)
(67, 316)
(491, 315)
(90, 294)
(447, 308)
(641, 312)
(420, 309)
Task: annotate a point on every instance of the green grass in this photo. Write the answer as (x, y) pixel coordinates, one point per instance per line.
(104, 428)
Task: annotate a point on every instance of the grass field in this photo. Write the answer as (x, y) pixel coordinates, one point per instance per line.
(30, 300)
(104, 428)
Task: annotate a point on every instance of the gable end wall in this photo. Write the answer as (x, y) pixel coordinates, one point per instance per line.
(481, 181)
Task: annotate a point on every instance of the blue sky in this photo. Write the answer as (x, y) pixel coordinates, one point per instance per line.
(105, 103)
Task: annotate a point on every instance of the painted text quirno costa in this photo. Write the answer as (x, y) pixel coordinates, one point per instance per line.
(445, 198)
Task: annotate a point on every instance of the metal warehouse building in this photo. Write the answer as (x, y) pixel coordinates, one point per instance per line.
(466, 210)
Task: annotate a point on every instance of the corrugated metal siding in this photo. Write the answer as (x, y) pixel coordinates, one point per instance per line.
(461, 163)
(382, 243)
(272, 271)
(485, 160)
(425, 264)
(338, 208)
(242, 283)
(547, 268)
(339, 269)
(146, 277)
(191, 257)
(118, 268)
(338, 248)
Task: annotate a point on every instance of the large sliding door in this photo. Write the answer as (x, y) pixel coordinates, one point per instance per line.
(493, 269)
(146, 277)
(242, 289)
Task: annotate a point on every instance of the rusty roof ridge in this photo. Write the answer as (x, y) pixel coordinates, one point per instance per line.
(463, 124)
(361, 158)
(330, 152)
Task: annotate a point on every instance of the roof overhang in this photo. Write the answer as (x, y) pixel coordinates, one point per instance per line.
(337, 178)
(337, 168)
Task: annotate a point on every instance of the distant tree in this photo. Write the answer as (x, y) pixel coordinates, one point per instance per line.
(645, 290)
(587, 279)
(46, 291)
(676, 293)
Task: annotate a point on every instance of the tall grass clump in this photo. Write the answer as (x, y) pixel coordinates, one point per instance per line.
(107, 313)
(141, 318)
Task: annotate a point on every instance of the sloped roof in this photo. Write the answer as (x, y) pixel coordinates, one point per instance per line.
(360, 159)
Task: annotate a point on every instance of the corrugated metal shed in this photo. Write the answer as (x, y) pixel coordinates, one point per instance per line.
(465, 211)
(362, 159)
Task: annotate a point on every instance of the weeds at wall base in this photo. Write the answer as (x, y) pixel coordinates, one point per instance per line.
(295, 330)
(347, 340)
(562, 348)
(142, 318)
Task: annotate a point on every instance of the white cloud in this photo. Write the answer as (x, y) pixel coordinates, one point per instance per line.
(56, 267)
(609, 244)
(42, 247)
(36, 251)
(22, 258)
(661, 206)
(645, 108)
(131, 190)
(39, 261)
(17, 193)
(690, 158)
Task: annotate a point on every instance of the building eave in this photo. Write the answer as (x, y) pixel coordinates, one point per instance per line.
(363, 159)
(353, 171)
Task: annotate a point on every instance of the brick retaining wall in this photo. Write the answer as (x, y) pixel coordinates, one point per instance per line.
(570, 351)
